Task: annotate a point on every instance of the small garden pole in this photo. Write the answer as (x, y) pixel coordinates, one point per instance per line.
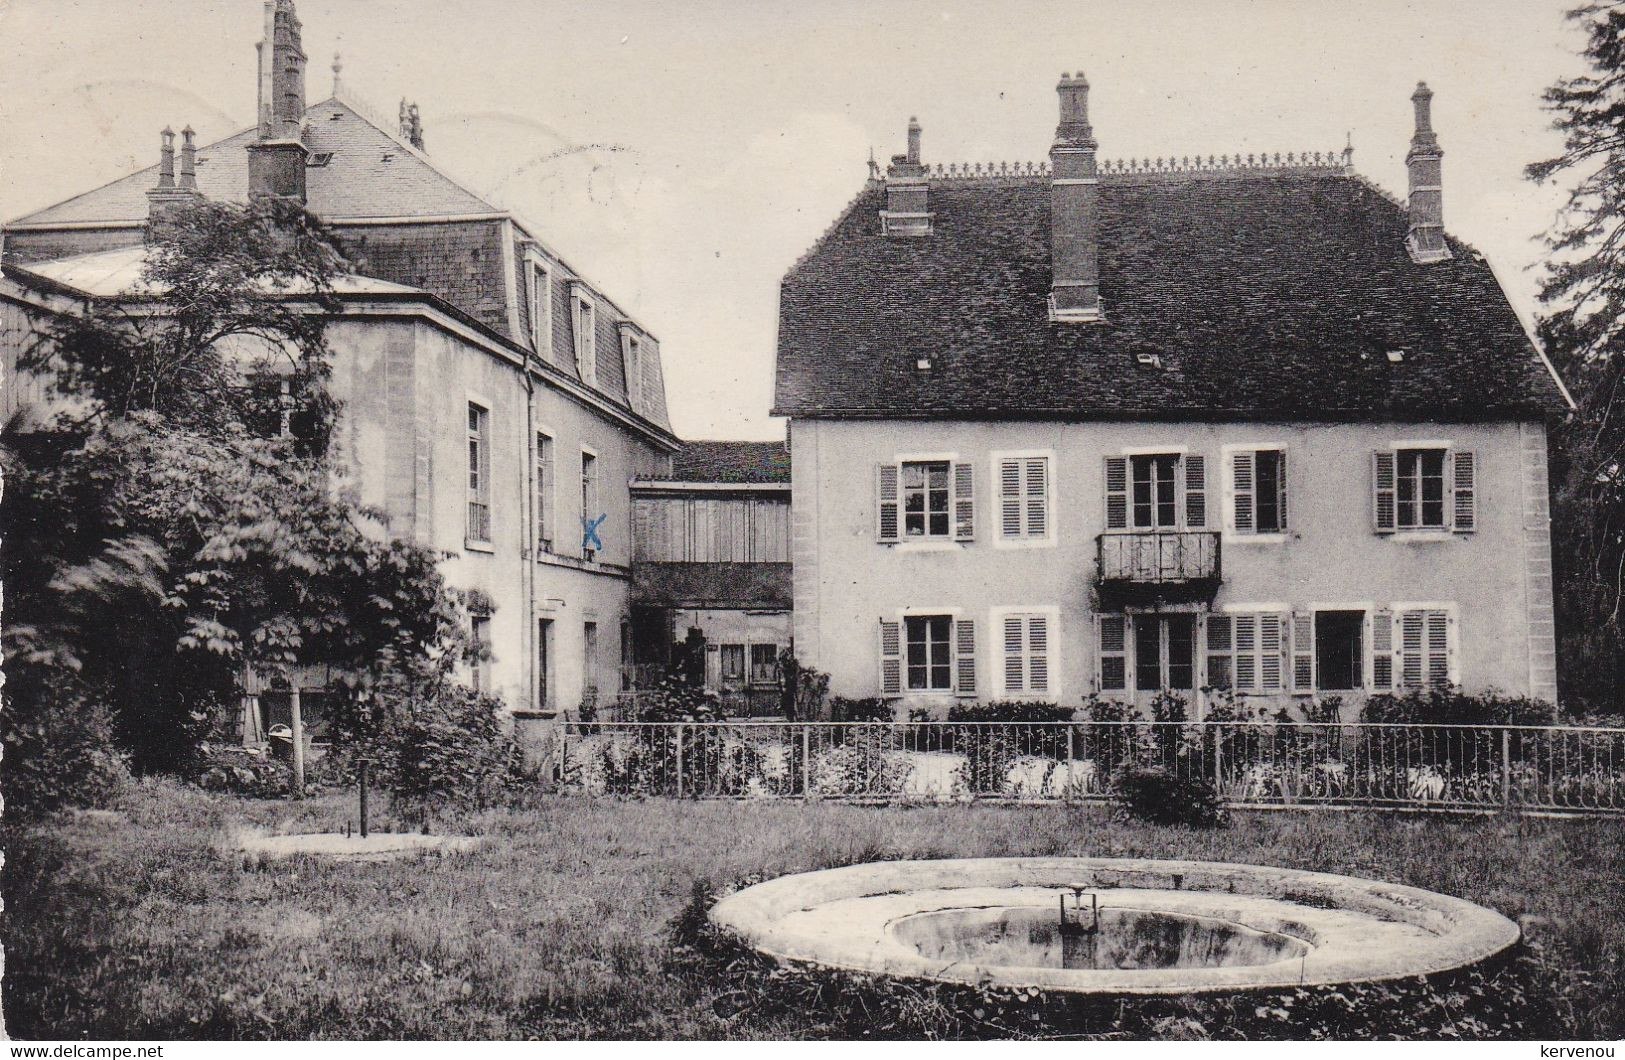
(361, 768)
(1070, 732)
(680, 729)
(297, 723)
(806, 762)
(1506, 767)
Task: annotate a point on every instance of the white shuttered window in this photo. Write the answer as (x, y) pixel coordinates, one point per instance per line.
(1023, 497)
(1026, 653)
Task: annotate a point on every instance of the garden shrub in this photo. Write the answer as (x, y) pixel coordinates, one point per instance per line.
(1158, 795)
(59, 751)
(451, 748)
(866, 764)
(978, 736)
(872, 708)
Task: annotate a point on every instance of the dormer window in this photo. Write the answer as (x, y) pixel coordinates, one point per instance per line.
(539, 297)
(584, 328)
(632, 363)
(318, 159)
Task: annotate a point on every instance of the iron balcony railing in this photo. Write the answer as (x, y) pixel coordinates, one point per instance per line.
(1159, 557)
(1435, 767)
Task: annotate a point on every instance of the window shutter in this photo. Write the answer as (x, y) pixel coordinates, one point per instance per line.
(1382, 491)
(1010, 498)
(1111, 660)
(1382, 650)
(1246, 639)
(1195, 492)
(964, 502)
(1015, 650)
(891, 658)
(1242, 479)
(1271, 652)
(1038, 653)
(886, 502)
(1116, 493)
(1464, 485)
(1219, 647)
(1438, 647)
(1280, 490)
(1037, 495)
(965, 656)
(1303, 652)
(1411, 661)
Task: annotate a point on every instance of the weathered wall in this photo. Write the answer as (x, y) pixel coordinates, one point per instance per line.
(1498, 578)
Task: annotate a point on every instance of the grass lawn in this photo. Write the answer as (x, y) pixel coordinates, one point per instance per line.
(148, 924)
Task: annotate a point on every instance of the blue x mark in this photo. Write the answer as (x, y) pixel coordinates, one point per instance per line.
(590, 538)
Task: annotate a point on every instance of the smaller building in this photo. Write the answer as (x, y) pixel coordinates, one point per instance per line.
(711, 570)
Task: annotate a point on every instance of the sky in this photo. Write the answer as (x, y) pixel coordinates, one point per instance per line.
(682, 155)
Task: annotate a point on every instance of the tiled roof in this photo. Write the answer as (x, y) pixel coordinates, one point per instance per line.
(371, 174)
(731, 462)
(1273, 295)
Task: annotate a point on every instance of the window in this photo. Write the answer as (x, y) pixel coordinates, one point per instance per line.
(1424, 489)
(1419, 493)
(925, 499)
(1258, 482)
(1154, 505)
(1161, 491)
(585, 331)
(541, 309)
(479, 473)
(930, 655)
(1424, 648)
(936, 497)
(1023, 497)
(544, 664)
(1026, 653)
(591, 517)
(1338, 649)
(917, 655)
(480, 628)
(589, 658)
(1164, 652)
(545, 522)
(632, 362)
(1247, 651)
(733, 663)
(764, 664)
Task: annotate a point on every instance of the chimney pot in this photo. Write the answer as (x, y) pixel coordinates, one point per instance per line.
(1425, 172)
(188, 159)
(1074, 208)
(908, 191)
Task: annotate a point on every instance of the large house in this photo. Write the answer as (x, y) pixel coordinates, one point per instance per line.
(1126, 428)
(496, 403)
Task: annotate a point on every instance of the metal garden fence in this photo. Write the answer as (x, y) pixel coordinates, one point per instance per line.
(1447, 767)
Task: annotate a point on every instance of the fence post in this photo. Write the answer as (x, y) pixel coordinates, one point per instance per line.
(1506, 767)
(681, 729)
(564, 752)
(1218, 763)
(806, 762)
(1067, 791)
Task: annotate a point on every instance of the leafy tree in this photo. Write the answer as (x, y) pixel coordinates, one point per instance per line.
(177, 522)
(1584, 332)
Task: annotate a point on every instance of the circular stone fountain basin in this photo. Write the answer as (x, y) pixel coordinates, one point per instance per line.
(1164, 927)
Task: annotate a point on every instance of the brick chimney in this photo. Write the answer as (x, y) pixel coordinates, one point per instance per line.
(167, 199)
(1074, 209)
(411, 124)
(907, 191)
(276, 161)
(1425, 240)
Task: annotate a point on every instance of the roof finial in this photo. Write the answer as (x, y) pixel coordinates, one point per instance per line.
(338, 68)
(874, 167)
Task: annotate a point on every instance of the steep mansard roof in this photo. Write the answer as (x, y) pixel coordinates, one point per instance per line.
(371, 174)
(1271, 295)
(731, 462)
